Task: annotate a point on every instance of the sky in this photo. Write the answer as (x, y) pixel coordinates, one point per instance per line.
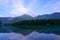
(13, 8)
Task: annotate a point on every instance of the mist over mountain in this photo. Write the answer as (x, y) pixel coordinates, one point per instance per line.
(22, 17)
(55, 15)
(5, 19)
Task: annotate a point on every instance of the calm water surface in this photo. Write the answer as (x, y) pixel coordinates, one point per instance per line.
(6, 33)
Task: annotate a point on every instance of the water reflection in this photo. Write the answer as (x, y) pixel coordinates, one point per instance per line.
(11, 36)
(9, 29)
(32, 36)
(11, 33)
(42, 36)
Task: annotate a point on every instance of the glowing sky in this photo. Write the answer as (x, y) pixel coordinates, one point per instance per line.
(31, 7)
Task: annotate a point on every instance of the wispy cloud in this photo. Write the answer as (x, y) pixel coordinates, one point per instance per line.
(56, 7)
(34, 7)
(18, 8)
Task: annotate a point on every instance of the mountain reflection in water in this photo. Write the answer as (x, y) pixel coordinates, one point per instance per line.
(11, 33)
(32, 36)
(8, 29)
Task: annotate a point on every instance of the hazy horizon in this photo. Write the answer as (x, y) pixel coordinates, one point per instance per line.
(13, 8)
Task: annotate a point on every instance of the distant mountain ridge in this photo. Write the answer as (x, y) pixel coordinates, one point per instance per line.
(55, 15)
(21, 18)
(5, 19)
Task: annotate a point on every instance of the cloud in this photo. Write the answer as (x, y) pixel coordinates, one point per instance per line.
(13, 7)
(32, 3)
(56, 7)
(4, 3)
(18, 8)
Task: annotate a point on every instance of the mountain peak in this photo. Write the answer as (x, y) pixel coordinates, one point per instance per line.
(56, 13)
(25, 15)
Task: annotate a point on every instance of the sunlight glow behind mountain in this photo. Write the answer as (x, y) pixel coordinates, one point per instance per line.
(31, 7)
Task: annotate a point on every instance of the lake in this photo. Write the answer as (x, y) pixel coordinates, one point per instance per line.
(6, 33)
(32, 36)
(16, 29)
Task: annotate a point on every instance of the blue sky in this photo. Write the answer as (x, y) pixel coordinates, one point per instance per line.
(32, 7)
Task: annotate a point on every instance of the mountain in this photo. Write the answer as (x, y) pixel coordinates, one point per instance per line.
(55, 15)
(21, 18)
(42, 36)
(5, 19)
(26, 17)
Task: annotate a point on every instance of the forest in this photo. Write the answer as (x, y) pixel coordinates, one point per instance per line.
(37, 24)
